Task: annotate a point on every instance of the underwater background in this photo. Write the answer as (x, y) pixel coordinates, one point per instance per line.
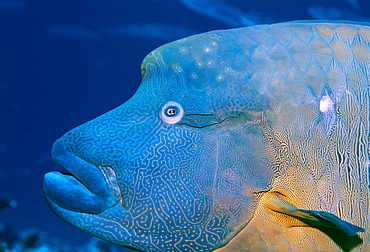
(65, 62)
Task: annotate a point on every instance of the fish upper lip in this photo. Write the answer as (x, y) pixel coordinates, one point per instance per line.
(96, 185)
(87, 173)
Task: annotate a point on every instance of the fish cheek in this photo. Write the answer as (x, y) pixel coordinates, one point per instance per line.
(241, 172)
(165, 195)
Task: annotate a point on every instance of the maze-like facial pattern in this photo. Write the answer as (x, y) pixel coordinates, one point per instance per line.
(282, 107)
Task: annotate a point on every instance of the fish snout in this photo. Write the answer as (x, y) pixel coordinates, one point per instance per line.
(87, 188)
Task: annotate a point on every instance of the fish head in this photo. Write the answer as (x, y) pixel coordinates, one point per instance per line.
(180, 164)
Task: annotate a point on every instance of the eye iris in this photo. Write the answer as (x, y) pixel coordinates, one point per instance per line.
(172, 111)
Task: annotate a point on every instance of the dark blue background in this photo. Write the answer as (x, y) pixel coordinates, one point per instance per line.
(63, 63)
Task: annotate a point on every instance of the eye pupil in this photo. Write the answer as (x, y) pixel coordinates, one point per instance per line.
(171, 111)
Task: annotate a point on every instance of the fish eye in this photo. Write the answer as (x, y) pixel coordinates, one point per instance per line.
(172, 112)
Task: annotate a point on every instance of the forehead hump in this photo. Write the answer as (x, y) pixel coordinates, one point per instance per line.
(218, 64)
(209, 58)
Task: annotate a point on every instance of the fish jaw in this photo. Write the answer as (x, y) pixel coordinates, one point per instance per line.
(88, 189)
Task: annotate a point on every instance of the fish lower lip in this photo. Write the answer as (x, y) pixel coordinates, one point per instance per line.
(89, 189)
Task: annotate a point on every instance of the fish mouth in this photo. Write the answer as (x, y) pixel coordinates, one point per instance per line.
(88, 188)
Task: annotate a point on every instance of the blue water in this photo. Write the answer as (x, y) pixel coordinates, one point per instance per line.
(63, 63)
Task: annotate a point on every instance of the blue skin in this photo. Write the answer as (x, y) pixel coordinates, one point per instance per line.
(193, 178)
(183, 163)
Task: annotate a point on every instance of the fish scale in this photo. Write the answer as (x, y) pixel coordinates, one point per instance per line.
(249, 139)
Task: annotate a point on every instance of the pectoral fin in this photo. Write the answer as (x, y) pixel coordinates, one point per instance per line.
(311, 217)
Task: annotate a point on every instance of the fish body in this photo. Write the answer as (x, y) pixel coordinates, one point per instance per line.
(249, 139)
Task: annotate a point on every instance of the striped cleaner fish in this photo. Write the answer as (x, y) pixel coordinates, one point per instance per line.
(250, 139)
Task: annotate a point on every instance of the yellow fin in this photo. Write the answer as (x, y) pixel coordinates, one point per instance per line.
(275, 202)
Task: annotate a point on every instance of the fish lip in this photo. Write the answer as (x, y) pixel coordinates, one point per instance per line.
(89, 188)
(90, 175)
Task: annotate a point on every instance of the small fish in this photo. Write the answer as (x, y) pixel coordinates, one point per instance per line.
(250, 139)
(222, 12)
(160, 31)
(75, 32)
(324, 12)
(6, 204)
